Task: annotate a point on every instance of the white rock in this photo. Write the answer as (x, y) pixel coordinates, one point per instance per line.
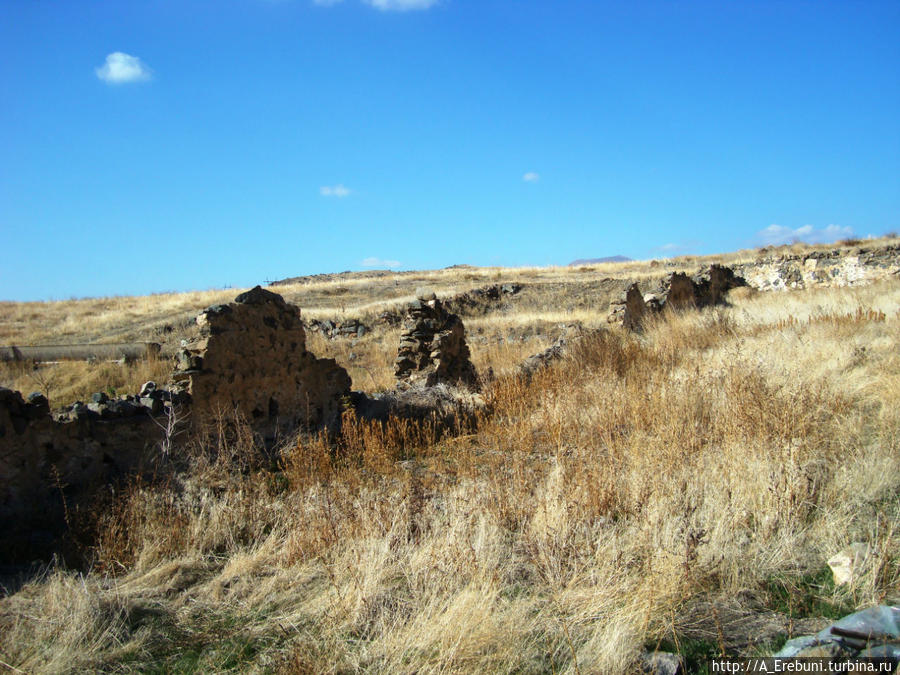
(846, 563)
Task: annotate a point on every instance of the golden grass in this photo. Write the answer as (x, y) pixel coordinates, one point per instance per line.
(591, 508)
(68, 381)
(123, 318)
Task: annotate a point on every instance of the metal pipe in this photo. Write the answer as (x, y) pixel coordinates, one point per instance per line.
(130, 351)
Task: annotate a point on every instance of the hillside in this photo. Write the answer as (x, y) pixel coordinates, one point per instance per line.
(678, 489)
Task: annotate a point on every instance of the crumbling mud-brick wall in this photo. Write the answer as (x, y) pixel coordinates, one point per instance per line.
(629, 308)
(433, 347)
(50, 465)
(677, 291)
(251, 359)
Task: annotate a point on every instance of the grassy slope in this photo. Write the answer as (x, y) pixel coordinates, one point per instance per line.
(640, 493)
(551, 297)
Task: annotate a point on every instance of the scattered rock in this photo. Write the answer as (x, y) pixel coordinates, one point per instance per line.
(873, 632)
(662, 663)
(845, 564)
(349, 328)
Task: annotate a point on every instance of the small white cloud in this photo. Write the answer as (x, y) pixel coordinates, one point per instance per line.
(400, 5)
(668, 248)
(378, 262)
(339, 191)
(677, 248)
(122, 68)
(531, 177)
(776, 235)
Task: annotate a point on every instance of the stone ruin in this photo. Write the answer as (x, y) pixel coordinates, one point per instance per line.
(334, 329)
(677, 291)
(477, 301)
(433, 347)
(481, 300)
(785, 270)
(249, 360)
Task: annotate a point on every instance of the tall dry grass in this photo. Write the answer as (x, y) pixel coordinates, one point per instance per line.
(590, 509)
(68, 381)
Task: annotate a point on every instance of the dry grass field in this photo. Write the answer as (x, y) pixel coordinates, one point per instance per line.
(680, 489)
(552, 297)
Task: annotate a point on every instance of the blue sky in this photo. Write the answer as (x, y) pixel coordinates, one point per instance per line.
(184, 144)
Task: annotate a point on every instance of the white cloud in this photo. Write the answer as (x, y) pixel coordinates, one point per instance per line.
(531, 177)
(339, 191)
(400, 5)
(378, 262)
(672, 247)
(677, 248)
(122, 68)
(776, 235)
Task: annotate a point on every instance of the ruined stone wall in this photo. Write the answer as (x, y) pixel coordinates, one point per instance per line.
(251, 358)
(49, 464)
(677, 291)
(812, 269)
(433, 347)
(822, 268)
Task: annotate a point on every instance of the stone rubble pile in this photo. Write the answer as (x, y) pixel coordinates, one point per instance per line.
(151, 400)
(433, 347)
(349, 328)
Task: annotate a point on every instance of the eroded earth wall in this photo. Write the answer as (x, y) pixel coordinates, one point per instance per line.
(249, 362)
(251, 359)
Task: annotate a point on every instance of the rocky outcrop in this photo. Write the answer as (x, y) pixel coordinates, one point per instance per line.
(433, 347)
(822, 268)
(251, 359)
(677, 291)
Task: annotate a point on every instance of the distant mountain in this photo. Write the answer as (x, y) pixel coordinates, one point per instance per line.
(607, 259)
